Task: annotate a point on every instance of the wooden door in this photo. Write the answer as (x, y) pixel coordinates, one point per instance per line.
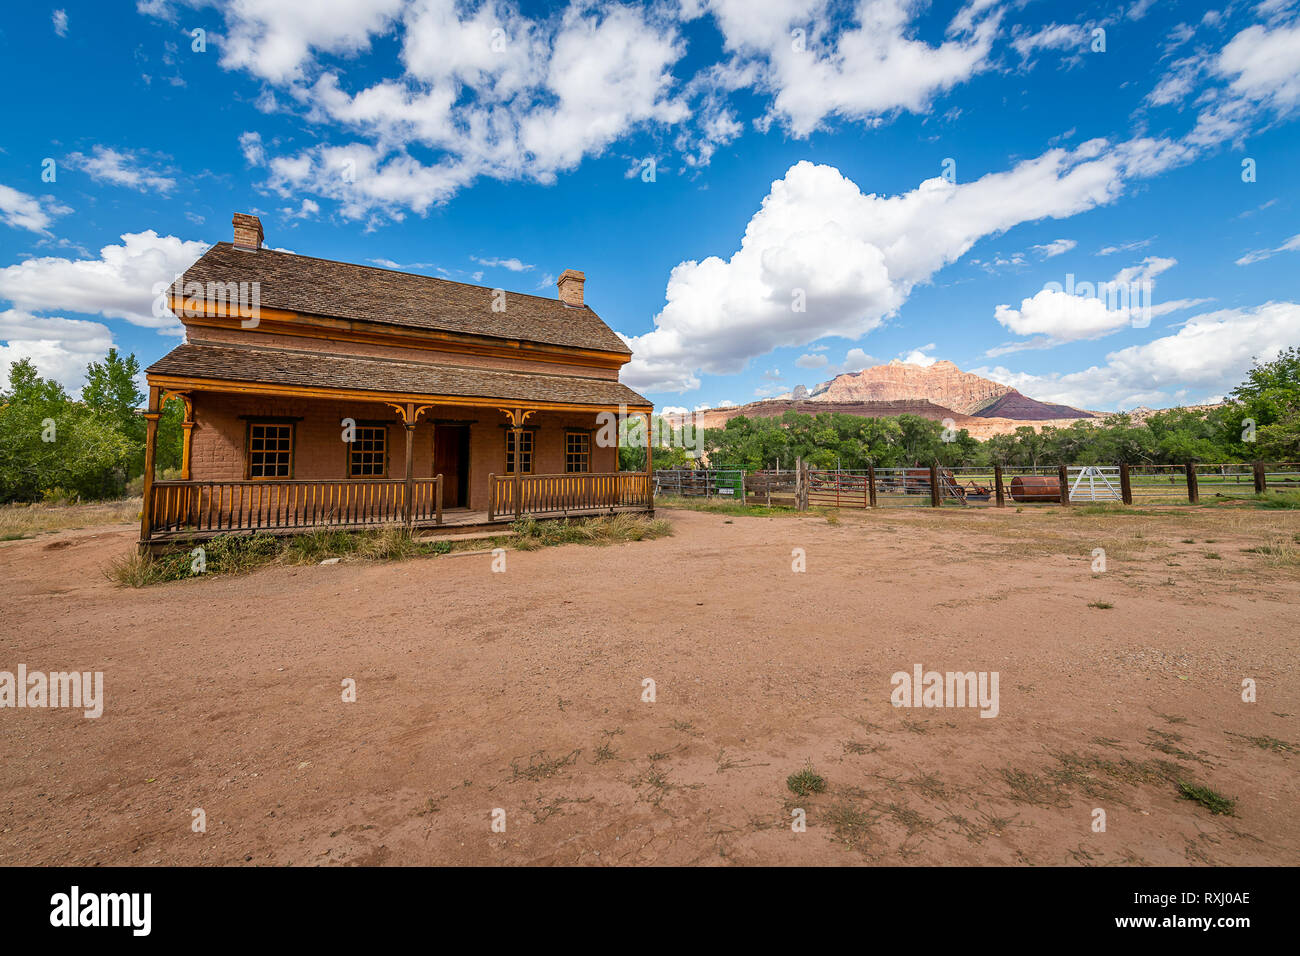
(451, 460)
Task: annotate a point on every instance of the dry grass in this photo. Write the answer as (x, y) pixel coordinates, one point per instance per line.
(27, 520)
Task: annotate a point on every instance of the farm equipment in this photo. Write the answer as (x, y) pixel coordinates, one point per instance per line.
(1035, 488)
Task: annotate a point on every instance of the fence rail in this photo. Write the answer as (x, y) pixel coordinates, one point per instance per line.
(701, 482)
(178, 507)
(568, 494)
(997, 485)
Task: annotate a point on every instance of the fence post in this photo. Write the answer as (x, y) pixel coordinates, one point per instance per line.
(800, 485)
(492, 497)
(999, 489)
(934, 485)
(437, 519)
(1125, 484)
(1261, 478)
(1063, 479)
(1193, 489)
(871, 484)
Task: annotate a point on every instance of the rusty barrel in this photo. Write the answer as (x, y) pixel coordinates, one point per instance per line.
(1035, 488)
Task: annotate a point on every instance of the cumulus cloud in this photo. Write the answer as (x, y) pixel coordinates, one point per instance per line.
(1071, 312)
(1207, 356)
(871, 68)
(21, 211)
(117, 285)
(60, 348)
(852, 259)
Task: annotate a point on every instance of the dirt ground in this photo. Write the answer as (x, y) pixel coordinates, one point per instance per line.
(522, 691)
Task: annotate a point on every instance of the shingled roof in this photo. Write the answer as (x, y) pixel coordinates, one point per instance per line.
(328, 371)
(358, 293)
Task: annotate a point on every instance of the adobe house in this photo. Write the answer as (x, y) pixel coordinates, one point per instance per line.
(327, 394)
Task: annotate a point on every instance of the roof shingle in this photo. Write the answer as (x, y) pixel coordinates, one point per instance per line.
(345, 290)
(317, 370)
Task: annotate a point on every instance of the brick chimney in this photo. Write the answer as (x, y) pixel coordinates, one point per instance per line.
(570, 286)
(248, 233)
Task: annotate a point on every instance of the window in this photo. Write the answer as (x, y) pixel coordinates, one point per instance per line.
(368, 452)
(577, 451)
(270, 450)
(525, 452)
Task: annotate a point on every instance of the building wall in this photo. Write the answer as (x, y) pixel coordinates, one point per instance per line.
(219, 441)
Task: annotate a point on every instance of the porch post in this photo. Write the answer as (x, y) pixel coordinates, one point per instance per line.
(516, 426)
(409, 420)
(649, 465)
(188, 427)
(151, 416)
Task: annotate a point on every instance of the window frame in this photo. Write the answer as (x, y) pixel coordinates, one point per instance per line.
(349, 447)
(532, 451)
(248, 448)
(585, 453)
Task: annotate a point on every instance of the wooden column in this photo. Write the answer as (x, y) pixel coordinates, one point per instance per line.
(492, 497)
(151, 416)
(1063, 479)
(999, 487)
(649, 466)
(1125, 483)
(871, 484)
(800, 486)
(935, 499)
(1193, 489)
(408, 503)
(1261, 478)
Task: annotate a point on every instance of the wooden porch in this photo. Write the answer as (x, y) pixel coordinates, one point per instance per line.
(199, 510)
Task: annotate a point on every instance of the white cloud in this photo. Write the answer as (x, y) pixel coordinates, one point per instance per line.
(1055, 36)
(488, 91)
(308, 209)
(869, 69)
(1258, 66)
(1258, 255)
(275, 39)
(123, 168)
(917, 356)
(513, 264)
(1208, 355)
(60, 21)
(1061, 314)
(812, 360)
(856, 258)
(60, 348)
(117, 285)
(22, 211)
(1055, 248)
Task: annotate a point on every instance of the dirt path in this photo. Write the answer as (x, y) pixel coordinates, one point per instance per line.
(523, 691)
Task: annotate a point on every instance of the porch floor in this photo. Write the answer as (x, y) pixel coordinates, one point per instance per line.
(454, 520)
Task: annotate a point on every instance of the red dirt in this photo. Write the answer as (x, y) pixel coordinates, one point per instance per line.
(224, 693)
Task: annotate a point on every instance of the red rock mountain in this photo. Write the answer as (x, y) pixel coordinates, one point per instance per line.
(938, 391)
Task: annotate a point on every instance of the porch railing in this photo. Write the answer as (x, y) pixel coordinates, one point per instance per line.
(177, 507)
(509, 495)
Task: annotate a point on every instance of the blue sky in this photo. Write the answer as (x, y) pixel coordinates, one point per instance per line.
(802, 217)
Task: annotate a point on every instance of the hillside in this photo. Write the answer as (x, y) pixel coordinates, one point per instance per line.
(937, 391)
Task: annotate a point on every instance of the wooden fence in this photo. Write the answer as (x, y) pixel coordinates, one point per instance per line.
(204, 507)
(568, 494)
(997, 485)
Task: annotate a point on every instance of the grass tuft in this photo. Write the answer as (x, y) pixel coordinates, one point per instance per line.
(1212, 800)
(806, 781)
